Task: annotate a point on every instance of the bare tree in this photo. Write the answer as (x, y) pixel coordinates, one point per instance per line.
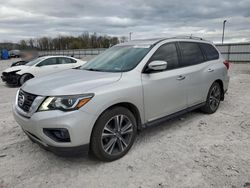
(83, 41)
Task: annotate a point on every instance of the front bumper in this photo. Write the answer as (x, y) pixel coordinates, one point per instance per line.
(10, 78)
(63, 151)
(78, 123)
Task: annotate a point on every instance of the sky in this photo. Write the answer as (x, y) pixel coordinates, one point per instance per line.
(24, 19)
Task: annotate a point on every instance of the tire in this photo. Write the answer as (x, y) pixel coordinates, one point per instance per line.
(213, 99)
(109, 141)
(25, 78)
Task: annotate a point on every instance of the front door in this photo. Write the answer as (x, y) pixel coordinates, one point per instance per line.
(47, 66)
(165, 91)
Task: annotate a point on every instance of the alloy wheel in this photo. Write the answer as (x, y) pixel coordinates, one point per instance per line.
(215, 96)
(117, 134)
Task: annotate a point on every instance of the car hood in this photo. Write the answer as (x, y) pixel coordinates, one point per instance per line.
(69, 82)
(16, 68)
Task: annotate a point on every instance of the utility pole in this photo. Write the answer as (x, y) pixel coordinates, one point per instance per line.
(224, 24)
(130, 35)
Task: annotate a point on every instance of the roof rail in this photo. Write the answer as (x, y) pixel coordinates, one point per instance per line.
(175, 37)
(158, 40)
(188, 37)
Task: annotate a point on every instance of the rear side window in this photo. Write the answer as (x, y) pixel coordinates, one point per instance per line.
(73, 61)
(191, 54)
(64, 60)
(210, 52)
(168, 53)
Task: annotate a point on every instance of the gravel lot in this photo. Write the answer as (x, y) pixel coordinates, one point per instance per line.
(195, 150)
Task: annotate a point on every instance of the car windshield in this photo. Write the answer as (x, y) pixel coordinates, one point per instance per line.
(117, 59)
(35, 61)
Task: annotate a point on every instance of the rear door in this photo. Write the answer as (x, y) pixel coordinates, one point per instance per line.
(195, 66)
(165, 91)
(66, 63)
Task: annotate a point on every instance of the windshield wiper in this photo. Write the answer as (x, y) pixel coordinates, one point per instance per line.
(92, 69)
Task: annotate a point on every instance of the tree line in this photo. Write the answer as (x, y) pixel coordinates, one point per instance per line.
(83, 41)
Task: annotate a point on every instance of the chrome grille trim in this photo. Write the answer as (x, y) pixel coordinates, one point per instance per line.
(33, 107)
(25, 100)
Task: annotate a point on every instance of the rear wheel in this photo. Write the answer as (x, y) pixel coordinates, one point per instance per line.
(113, 134)
(25, 78)
(213, 99)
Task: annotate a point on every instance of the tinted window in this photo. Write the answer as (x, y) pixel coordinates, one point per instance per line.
(210, 52)
(168, 53)
(191, 54)
(49, 61)
(64, 60)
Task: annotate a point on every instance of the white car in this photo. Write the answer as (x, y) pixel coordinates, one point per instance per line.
(38, 67)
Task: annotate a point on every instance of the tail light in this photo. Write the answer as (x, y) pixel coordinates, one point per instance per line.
(226, 63)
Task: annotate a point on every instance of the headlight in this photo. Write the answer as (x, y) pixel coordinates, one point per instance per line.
(65, 103)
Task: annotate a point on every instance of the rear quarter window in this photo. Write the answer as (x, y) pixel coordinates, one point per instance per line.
(65, 60)
(73, 60)
(210, 52)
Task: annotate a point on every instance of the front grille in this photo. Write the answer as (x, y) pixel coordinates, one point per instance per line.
(25, 100)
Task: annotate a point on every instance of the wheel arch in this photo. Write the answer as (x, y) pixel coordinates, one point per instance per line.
(131, 107)
(23, 72)
(219, 81)
(26, 73)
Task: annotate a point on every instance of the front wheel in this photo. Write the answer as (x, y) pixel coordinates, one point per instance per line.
(113, 134)
(25, 78)
(213, 99)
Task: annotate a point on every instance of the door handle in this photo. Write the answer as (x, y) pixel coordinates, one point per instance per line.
(181, 77)
(210, 70)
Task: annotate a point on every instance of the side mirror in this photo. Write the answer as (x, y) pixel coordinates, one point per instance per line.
(157, 66)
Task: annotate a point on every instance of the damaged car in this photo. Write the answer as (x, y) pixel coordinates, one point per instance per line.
(18, 75)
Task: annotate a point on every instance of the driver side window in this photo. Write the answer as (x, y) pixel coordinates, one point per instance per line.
(49, 61)
(166, 52)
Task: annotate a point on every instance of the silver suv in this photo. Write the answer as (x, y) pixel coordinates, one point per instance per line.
(101, 105)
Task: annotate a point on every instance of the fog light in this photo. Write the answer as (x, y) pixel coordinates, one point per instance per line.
(58, 135)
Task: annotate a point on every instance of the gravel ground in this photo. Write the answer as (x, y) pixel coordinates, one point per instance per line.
(195, 150)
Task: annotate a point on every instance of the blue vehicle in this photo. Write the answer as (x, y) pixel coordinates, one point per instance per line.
(4, 54)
